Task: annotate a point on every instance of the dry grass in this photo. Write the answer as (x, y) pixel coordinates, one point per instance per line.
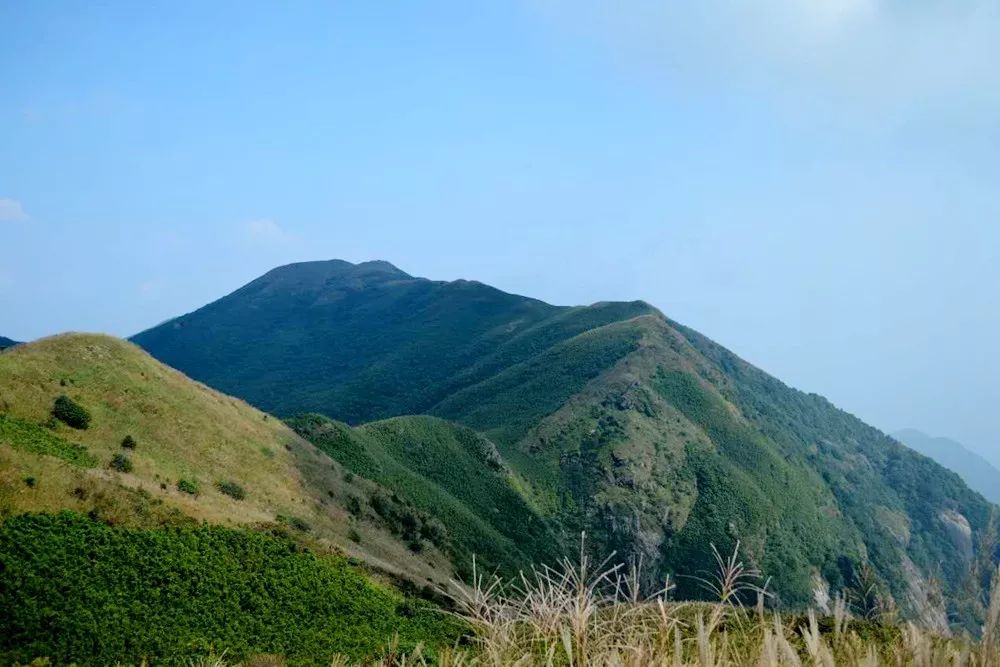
(183, 430)
(571, 615)
(577, 614)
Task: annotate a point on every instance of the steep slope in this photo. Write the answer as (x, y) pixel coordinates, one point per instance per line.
(193, 452)
(614, 420)
(361, 342)
(452, 474)
(976, 471)
(7, 342)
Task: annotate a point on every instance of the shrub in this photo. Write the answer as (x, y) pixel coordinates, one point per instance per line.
(187, 486)
(71, 413)
(121, 463)
(232, 489)
(354, 536)
(128, 442)
(30, 482)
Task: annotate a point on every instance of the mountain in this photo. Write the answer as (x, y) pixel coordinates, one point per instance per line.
(7, 342)
(192, 450)
(167, 518)
(977, 472)
(610, 419)
(362, 342)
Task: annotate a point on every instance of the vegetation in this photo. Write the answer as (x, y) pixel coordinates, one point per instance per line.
(187, 486)
(449, 487)
(71, 413)
(576, 615)
(74, 590)
(182, 429)
(371, 357)
(36, 439)
(121, 463)
(128, 442)
(610, 419)
(232, 489)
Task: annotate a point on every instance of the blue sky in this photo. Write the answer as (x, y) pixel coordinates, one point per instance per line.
(812, 183)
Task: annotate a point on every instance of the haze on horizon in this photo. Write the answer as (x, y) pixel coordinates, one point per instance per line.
(812, 185)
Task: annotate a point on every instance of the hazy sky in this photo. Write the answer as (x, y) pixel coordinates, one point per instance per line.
(813, 183)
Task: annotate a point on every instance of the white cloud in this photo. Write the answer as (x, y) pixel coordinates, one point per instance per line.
(266, 232)
(11, 211)
(878, 56)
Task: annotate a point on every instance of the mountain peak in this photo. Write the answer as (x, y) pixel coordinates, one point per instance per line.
(333, 269)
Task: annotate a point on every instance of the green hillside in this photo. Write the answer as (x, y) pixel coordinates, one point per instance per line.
(77, 591)
(352, 341)
(450, 473)
(158, 446)
(610, 419)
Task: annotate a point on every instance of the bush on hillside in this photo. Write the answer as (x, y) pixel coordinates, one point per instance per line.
(71, 413)
(121, 463)
(231, 489)
(128, 442)
(187, 486)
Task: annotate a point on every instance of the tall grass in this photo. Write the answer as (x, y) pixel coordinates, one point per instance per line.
(579, 614)
(575, 614)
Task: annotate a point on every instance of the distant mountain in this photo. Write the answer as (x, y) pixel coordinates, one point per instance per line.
(362, 342)
(977, 472)
(7, 342)
(607, 418)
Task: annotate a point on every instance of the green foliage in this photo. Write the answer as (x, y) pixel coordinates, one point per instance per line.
(74, 590)
(71, 413)
(362, 342)
(610, 418)
(121, 463)
(450, 487)
(128, 442)
(231, 489)
(187, 486)
(30, 437)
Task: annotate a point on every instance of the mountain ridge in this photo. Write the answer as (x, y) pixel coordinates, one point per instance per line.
(654, 440)
(975, 469)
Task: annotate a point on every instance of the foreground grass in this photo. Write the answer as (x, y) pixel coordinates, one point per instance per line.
(81, 592)
(569, 616)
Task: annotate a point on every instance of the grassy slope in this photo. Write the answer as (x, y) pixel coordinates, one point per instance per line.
(75, 590)
(660, 443)
(184, 430)
(447, 471)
